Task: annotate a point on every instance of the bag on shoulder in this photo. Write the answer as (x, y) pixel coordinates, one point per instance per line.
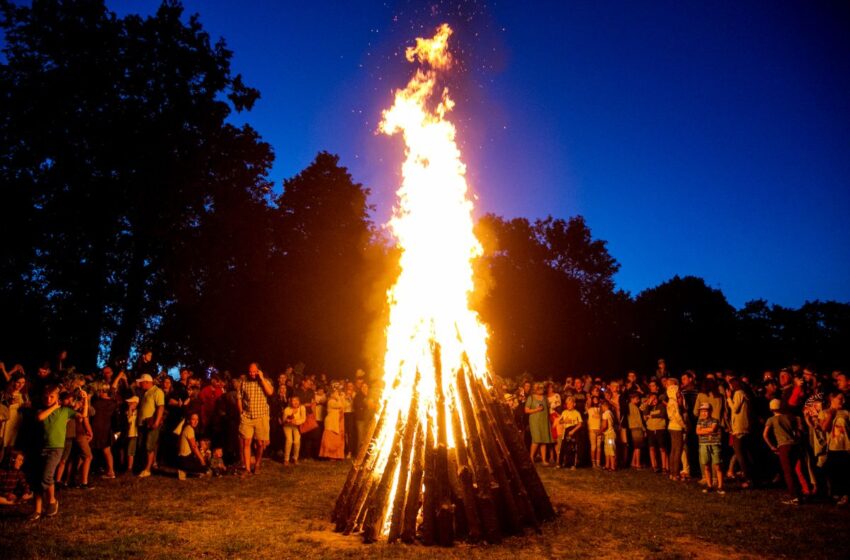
(309, 424)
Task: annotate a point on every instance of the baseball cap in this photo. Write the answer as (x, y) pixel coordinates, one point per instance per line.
(145, 377)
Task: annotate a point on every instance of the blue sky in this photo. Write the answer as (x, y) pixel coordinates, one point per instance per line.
(710, 139)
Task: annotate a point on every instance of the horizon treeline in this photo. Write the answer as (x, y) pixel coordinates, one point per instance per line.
(135, 214)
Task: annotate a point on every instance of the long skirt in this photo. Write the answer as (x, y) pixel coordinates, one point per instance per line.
(333, 443)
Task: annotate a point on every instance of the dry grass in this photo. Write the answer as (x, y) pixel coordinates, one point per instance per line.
(283, 513)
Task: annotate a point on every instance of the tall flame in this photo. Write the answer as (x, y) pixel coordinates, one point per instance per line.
(433, 225)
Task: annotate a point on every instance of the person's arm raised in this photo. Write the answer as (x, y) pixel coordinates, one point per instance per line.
(265, 384)
(42, 416)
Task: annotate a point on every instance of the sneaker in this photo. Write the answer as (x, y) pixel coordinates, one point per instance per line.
(181, 475)
(144, 474)
(86, 486)
(52, 509)
(791, 502)
(721, 492)
(842, 501)
(706, 490)
(108, 476)
(34, 516)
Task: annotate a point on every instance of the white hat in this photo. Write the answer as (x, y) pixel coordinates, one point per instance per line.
(145, 377)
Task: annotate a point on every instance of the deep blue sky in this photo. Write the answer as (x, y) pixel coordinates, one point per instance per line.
(696, 138)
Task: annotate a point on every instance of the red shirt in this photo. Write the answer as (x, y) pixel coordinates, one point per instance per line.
(208, 397)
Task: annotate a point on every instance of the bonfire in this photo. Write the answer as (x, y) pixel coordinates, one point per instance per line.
(445, 460)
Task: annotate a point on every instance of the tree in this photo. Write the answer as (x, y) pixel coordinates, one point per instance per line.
(551, 284)
(686, 322)
(114, 151)
(325, 268)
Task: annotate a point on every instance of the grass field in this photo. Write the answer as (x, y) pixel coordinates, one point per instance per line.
(283, 513)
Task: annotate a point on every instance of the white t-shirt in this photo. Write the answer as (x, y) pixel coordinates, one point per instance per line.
(187, 434)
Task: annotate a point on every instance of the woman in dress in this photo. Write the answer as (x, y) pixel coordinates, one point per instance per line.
(537, 409)
(14, 397)
(333, 438)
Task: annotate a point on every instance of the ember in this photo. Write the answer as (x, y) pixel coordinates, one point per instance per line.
(445, 460)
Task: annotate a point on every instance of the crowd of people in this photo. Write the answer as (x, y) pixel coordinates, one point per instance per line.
(788, 427)
(60, 427)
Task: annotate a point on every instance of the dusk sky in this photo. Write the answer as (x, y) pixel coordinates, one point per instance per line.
(710, 139)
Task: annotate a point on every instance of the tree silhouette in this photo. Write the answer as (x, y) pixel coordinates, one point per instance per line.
(114, 150)
(686, 322)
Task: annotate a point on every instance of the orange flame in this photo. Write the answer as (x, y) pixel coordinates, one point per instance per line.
(433, 225)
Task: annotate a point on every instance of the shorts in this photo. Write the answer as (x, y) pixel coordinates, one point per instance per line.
(132, 443)
(254, 428)
(150, 437)
(638, 439)
(84, 446)
(49, 461)
(611, 445)
(657, 438)
(709, 454)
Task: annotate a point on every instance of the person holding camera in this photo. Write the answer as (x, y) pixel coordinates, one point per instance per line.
(253, 407)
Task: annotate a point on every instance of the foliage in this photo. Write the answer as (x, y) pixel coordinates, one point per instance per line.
(115, 150)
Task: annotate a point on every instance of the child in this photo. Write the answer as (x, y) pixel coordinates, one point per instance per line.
(293, 416)
(780, 434)
(594, 422)
(13, 484)
(217, 462)
(62, 473)
(570, 423)
(206, 453)
(637, 430)
(55, 418)
(609, 435)
(131, 429)
(708, 431)
(656, 428)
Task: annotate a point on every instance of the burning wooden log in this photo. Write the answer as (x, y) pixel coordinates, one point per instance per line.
(460, 471)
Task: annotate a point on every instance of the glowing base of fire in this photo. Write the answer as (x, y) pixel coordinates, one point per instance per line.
(481, 487)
